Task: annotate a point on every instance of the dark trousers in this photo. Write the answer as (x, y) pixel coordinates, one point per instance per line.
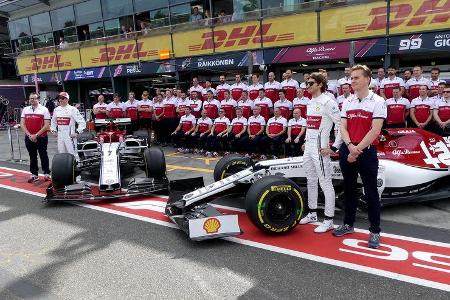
(399, 125)
(40, 146)
(235, 143)
(145, 123)
(168, 125)
(367, 167)
(181, 140)
(198, 141)
(294, 149)
(214, 142)
(157, 127)
(273, 145)
(252, 145)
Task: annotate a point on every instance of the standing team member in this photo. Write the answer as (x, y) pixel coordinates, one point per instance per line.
(195, 87)
(182, 104)
(304, 87)
(289, 86)
(265, 104)
(344, 80)
(322, 112)
(222, 87)
(115, 108)
(346, 95)
(390, 82)
(246, 105)
(397, 110)
(237, 131)
(253, 89)
(145, 110)
(206, 89)
(100, 108)
(158, 116)
(284, 105)
(169, 121)
(435, 80)
(441, 113)
(295, 134)
(131, 111)
(275, 134)
(412, 86)
(421, 109)
(211, 106)
(361, 121)
(272, 87)
(301, 102)
(35, 122)
(381, 74)
(63, 122)
(331, 89)
(196, 105)
(237, 88)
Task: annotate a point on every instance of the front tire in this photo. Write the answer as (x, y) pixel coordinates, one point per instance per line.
(274, 204)
(231, 164)
(155, 163)
(63, 170)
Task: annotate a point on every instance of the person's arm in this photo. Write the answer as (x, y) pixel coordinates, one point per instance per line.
(80, 121)
(261, 130)
(437, 118)
(53, 125)
(373, 133)
(382, 93)
(24, 128)
(44, 128)
(212, 129)
(302, 132)
(346, 138)
(288, 139)
(244, 128)
(413, 115)
(428, 119)
(191, 130)
(177, 129)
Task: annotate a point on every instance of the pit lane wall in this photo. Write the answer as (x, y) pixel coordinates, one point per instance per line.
(187, 40)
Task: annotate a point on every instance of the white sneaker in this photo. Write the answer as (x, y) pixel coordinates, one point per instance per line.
(78, 178)
(325, 226)
(310, 218)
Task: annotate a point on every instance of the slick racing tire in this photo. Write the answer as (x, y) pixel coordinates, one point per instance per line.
(154, 163)
(274, 204)
(84, 137)
(142, 134)
(231, 164)
(63, 170)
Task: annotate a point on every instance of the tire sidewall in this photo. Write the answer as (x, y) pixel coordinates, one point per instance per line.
(63, 169)
(228, 162)
(154, 163)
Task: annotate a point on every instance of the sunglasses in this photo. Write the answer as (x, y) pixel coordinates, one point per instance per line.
(310, 83)
(446, 91)
(221, 112)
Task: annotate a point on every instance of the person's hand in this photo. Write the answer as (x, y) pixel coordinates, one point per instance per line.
(354, 150)
(297, 140)
(73, 135)
(187, 133)
(54, 132)
(303, 147)
(202, 134)
(173, 133)
(351, 158)
(288, 140)
(32, 137)
(237, 135)
(326, 152)
(251, 137)
(194, 134)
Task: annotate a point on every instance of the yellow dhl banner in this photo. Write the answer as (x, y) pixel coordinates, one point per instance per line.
(407, 16)
(49, 62)
(194, 42)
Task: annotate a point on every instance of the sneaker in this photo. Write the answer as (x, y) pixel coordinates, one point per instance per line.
(226, 153)
(374, 240)
(274, 157)
(247, 155)
(207, 153)
(325, 226)
(310, 218)
(33, 178)
(263, 157)
(179, 150)
(47, 177)
(78, 178)
(215, 154)
(343, 229)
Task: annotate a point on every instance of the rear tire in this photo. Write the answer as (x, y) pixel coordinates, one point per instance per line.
(63, 170)
(154, 163)
(231, 164)
(274, 204)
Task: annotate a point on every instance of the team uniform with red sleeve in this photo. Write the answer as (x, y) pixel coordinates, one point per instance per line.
(205, 93)
(305, 92)
(301, 104)
(199, 139)
(423, 108)
(296, 126)
(220, 90)
(255, 124)
(443, 109)
(413, 85)
(212, 108)
(169, 121)
(196, 107)
(290, 88)
(246, 107)
(359, 114)
(285, 107)
(253, 90)
(180, 138)
(341, 99)
(237, 125)
(181, 106)
(34, 119)
(157, 125)
(265, 104)
(229, 106)
(145, 117)
(237, 89)
(275, 125)
(388, 84)
(272, 89)
(115, 109)
(198, 88)
(214, 142)
(102, 108)
(131, 110)
(396, 109)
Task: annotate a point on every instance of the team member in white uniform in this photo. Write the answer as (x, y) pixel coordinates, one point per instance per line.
(115, 109)
(344, 80)
(206, 89)
(441, 113)
(222, 87)
(272, 87)
(346, 95)
(435, 81)
(289, 85)
(300, 102)
(246, 105)
(237, 131)
(237, 88)
(184, 130)
(100, 108)
(195, 87)
(253, 89)
(275, 133)
(413, 85)
(422, 109)
(284, 105)
(322, 112)
(390, 82)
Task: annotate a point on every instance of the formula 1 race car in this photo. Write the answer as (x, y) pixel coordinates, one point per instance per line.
(107, 155)
(413, 166)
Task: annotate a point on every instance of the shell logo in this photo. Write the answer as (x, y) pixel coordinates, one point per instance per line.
(211, 225)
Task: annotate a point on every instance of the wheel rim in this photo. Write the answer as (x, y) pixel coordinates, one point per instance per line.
(279, 209)
(232, 170)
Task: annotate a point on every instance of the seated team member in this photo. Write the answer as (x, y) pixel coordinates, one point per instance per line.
(131, 111)
(195, 104)
(211, 106)
(100, 108)
(441, 113)
(218, 133)
(201, 132)
(275, 133)
(145, 111)
(397, 110)
(265, 104)
(346, 93)
(421, 109)
(284, 105)
(300, 102)
(115, 109)
(182, 103)
(255, 131)
(228, 105)
(184, 130)
(246, 105)
(237, 131)
(158, 117)
(295, 134)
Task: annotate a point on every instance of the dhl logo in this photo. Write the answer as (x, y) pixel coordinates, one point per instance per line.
(240, 36)
(123, 52)
(429, 12)
(47, 63)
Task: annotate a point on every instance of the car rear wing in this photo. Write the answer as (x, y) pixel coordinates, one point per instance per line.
(118, 121)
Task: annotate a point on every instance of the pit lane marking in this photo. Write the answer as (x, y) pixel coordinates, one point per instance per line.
(178, 167)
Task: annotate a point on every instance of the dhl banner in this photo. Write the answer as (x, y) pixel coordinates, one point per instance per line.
(239, 36)
(49, 62)
(194, 42)
(370, 19)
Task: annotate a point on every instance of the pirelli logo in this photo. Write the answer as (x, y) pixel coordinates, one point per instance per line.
(123, 52)
(49, 62)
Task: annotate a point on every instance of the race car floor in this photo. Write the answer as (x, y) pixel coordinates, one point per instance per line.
(85, 252)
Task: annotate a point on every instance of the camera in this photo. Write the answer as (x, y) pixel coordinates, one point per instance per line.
(262, 67)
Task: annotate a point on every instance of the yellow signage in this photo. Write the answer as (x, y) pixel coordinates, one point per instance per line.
(49, 62)
(194, 42)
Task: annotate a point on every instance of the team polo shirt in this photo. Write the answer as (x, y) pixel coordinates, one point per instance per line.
(220, 124)
(102, 108)
(359, 115)
(196, 107)
(198, 89)
(388, 84)
(331, 88)
(422, 108)
(158, 108)
(296, 125)
(305, 93)
(212, 108)
(35, 117)
(435, 83)
(276, 125)
(265, 104)
(205, 93)
(187, 122)
(341, 99)
(301, 103)
(203, 124)
(145, 103)
(181, 105)
(237, 124)
(229, 106)
(253, 90)
(246, 107)
(115, 109)
(170, 107)
(255, 124)
(413, 85)
(285, 108)
(342, 81)
(237, 89)
(220, 90)
(272, 89)
(443, 108)
(131, 109)
(396, 109)
(290, 87)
